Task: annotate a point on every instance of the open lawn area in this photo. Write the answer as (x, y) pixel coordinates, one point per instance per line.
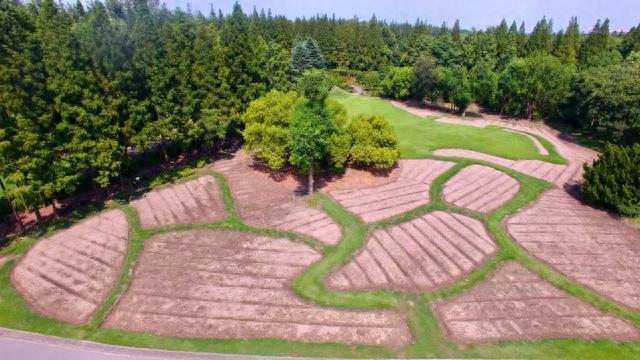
(418, 137)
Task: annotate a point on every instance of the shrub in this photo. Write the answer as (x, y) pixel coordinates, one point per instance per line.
(370, 80)
(374, 143)
(267, 126)
(614, 179)
(397, 83)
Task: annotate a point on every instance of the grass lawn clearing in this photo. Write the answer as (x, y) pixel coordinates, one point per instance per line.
(418, 137)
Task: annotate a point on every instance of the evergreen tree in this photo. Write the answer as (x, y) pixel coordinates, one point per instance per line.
(455, 32)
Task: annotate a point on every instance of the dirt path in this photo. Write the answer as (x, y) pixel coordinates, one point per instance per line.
(587, 245)
(410, 190)
(424, 254)
(69, 275)
(265, 201)
(515, 304)
(222, 284)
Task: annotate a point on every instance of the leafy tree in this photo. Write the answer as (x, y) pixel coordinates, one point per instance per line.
(631, 42)
(309, 137)
(425, 80)
(455, 32)
(245, 56)
(266, 131)
(597, 50)
(315, 85)
(541, 39)
(277, 68)
(607, 102)
(484, 84)
(568, 44)
(397, 82)
(457, 87)
(506, 47)
(374, 142)
(614, 179)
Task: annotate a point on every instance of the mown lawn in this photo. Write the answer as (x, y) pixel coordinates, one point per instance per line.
(420, 136)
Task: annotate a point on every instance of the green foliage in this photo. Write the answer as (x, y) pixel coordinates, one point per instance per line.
(397, 82)
(614, 179)
(536, 85)
(370, 80)
(426, 80)
(266, 129)
(484, 84)
(339, 150)
(457, 87)
(314, 85)
(170, 176)
(374, 142)
(308, 139)
(606, 101)
(306, 55)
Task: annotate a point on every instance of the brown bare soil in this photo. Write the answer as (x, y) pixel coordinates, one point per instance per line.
(220, 284)
(560, 175)
(587, 245)
(410, 190)
(264, 200)
(68, 275)
(424, 254)
(197, 201)
(515, 304)
(480, 188)
(354, 179)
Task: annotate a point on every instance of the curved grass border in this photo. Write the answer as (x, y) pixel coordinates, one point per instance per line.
(429, 340)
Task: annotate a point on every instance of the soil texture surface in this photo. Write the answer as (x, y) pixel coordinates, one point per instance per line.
(69, 275)
(424, 254)
(515, 304)
(223, 284)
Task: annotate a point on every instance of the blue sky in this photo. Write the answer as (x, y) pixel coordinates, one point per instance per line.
(480, 13)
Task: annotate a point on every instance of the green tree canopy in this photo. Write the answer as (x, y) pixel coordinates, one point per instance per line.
(374, 142)
(266, 131)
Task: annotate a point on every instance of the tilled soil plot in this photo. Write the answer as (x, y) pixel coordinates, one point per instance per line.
(197, 201)
(264, 202)
(220, 284)
(553, 173)
(587, 245)
(480, 188)
(69, 275)
(410, 190)
(424, 254)
(516, 304)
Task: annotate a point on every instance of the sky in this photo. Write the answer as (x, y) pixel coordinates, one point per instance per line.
(479, 13)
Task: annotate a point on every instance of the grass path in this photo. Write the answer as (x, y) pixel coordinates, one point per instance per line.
(418, 137)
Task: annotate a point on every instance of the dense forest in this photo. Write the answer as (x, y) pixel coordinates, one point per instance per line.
(84, 89)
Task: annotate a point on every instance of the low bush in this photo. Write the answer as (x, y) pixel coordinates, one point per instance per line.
(374, 142)
(614, 179)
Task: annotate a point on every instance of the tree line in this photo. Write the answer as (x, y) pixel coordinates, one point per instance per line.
(82, 89)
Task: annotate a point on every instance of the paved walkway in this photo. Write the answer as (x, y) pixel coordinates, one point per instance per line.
(17, 345)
